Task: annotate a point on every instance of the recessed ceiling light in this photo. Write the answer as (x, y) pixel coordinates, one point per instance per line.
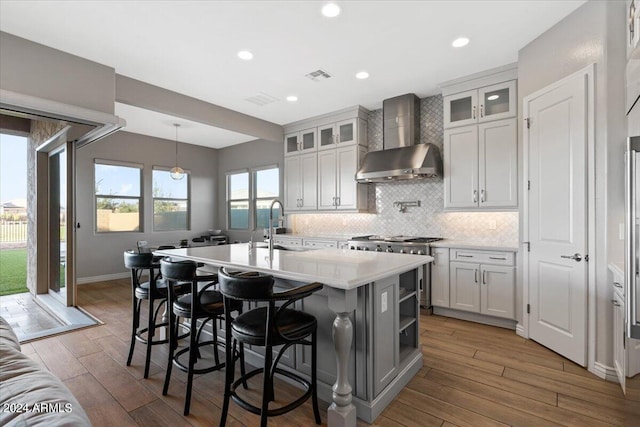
(460, 41)
(292, 98)
(362, 75)
(493, 97)
(245, 54)
(331, 10)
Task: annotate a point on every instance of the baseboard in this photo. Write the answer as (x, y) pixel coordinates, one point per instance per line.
(520, 331)
(102, 278)
(605, 372)
(475, 317)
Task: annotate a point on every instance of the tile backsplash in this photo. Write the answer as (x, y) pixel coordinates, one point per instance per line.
(427, 220)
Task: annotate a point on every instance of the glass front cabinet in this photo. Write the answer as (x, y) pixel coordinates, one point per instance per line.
(485, 104)
(299, 142)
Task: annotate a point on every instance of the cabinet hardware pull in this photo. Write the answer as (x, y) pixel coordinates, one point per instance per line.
(338, 201)
(484, 277)
(465, 256)
(474, 111)
(475, 196)
(617, 285)
(334, 202)
(495, 257)
(475, 275)
(616, 303)
(482, 196)
(481, 110)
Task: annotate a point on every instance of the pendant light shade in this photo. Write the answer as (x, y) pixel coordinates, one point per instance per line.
(176, 172)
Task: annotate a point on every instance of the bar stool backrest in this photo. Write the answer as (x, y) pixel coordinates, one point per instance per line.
(137, 260)
(245, 286)
(179, 271)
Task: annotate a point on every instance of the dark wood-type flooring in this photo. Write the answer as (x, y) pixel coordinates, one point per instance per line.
(473, 375)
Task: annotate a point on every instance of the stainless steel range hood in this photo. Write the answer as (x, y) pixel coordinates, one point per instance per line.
(401, 158)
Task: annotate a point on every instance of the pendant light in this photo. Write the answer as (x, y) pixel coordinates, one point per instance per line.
(176, 172)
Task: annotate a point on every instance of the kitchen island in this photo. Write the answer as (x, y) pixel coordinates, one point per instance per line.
(368, 312)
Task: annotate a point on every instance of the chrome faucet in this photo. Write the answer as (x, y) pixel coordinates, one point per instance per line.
(270, 232)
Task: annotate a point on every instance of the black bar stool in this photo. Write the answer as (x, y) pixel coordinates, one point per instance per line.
(202, 303)
(153, 290)
(267, 327)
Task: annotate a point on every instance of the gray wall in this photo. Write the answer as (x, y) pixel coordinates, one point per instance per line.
(245, 156)
(33, 69)
(594, 33)
(101, 253)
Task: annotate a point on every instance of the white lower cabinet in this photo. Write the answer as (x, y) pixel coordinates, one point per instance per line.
(440, 277)
(619, 350)
(475, 281)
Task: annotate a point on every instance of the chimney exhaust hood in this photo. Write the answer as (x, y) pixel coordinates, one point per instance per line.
(401, 157)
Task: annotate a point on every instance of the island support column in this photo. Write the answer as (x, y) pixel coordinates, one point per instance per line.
(342, 413)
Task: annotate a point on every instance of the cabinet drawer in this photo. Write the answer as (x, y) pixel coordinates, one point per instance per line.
(287, 241)
(484, 257)
(319, 244)
(617, 284)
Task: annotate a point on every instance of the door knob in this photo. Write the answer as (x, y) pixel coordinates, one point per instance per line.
(576, 257)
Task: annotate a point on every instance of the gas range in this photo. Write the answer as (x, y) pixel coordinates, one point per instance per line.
(400, 244)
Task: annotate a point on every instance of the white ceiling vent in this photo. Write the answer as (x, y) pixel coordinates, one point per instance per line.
(318, 75)
(262, 99)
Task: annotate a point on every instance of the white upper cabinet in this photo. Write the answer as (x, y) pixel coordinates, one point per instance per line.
(339, 141)
(339, 134)
(485, 104)
(300, 182)
(299, 142)
(480, 166)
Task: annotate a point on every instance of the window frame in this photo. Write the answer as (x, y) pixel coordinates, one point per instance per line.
(252, 199)
(140, 198)
(171, 199)
(254, 196)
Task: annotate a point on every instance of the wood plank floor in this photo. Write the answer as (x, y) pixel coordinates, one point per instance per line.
(473, 375)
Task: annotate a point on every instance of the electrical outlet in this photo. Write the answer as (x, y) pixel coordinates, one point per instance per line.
(383, 302)
(492, 224)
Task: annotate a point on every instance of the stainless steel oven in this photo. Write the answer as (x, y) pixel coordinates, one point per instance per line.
(403, 245)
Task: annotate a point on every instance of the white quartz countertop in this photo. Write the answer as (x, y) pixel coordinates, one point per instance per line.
(337, 268)
(467, 244)
(318, 236)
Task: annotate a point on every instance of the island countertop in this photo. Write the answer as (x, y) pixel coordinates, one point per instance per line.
(337, 268)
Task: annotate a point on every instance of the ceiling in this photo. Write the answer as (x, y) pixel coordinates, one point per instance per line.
(190, 47)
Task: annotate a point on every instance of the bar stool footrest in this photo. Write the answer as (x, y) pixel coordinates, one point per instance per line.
(275, 411)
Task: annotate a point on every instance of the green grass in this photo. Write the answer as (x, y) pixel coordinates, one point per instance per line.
(13, 271)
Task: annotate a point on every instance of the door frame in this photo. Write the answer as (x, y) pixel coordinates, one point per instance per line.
(55, 143)
(587, 73)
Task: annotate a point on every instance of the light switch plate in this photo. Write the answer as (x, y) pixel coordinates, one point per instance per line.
(383, 302)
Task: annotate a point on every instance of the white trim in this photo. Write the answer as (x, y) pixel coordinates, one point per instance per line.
(102, 278)
(475, 317)
(521, 331)
(588, 72)
(605, 372)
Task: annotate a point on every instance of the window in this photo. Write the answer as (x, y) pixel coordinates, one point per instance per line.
(118, 196)
(267, 184)
(238, 200)
(249, 194)
(170, 201)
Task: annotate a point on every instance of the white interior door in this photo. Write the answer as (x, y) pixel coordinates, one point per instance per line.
(557, 216)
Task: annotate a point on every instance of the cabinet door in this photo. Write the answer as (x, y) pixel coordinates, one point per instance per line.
(292, 188)
(385, 332)
(291, 144)
(347, 132)
(497, 101)
(346, 168)
(497, 291)
(309, 181)
(326, 137)
(619, 339)
(461, 167)
(440, 277)
(461, 109)
(327, 180)
(498, 164)
(464, 286)
(308, 140)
